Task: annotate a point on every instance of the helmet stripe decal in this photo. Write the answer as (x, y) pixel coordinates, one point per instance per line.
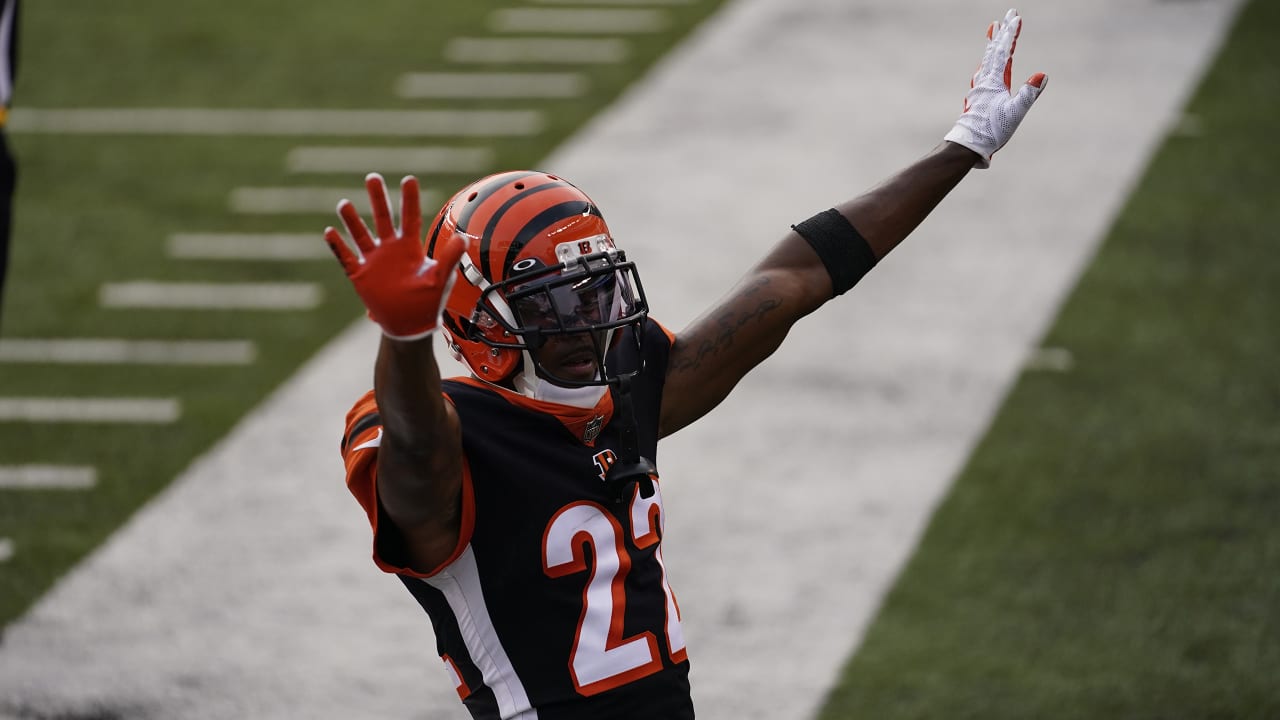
(435, 232)
(482, 194)
(486, 238)
(542, 221)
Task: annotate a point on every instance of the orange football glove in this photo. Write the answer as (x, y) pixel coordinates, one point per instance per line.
(403, 289)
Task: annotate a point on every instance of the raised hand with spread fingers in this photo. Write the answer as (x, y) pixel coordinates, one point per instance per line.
(403, 290)
(992, 111)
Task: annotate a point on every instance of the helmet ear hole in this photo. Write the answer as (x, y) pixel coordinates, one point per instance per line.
(474, 330)
(462, 328)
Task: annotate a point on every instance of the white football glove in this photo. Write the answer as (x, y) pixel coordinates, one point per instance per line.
(991, 111)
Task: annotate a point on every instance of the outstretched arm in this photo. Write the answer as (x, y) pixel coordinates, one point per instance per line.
(420, 460)
(826, 255)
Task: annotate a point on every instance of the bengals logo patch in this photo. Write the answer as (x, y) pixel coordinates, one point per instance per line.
(604, 460)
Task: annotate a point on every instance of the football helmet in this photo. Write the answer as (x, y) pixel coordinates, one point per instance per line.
(541, 269)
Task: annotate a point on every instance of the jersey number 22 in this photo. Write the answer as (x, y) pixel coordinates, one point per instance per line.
(602, 658)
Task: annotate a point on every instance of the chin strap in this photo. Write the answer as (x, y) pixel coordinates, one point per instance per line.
(630, 467)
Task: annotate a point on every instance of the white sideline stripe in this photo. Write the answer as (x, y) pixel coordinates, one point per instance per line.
(574, 20)
(47, 477)
(210, 296)
(491, 85)
(571, 51)
(389, 159)
(197, 121)
(90, 410)
(6, 549)
(248, 246)
(282, 200)
(92, 351)
(1050, 359)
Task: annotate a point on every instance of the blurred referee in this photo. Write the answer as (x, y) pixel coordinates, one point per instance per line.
(8, 173)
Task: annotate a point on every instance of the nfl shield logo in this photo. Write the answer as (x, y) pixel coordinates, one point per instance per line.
(593, 428)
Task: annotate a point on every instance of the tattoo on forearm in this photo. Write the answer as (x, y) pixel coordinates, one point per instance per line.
(730, 322)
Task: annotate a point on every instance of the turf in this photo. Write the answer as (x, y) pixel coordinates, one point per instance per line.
(97, 209)
(1112, 549)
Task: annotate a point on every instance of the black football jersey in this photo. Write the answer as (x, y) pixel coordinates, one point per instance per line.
(555, 604)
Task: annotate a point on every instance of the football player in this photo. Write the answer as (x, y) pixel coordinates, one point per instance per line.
(520, 505)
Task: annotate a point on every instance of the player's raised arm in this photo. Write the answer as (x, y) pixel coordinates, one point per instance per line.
(827, 254)
(419, 451)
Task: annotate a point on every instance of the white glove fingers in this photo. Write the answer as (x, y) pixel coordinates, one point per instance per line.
(1028, 93)
(992, 108)
(988, 56)
(1008, 66)
(380, 202)
(1002, 62)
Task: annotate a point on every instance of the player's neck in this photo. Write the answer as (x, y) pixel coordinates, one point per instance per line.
(546, 391)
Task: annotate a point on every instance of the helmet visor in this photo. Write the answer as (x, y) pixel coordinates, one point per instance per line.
(596, 295)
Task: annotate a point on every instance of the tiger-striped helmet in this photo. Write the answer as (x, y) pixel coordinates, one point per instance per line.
(541, 262)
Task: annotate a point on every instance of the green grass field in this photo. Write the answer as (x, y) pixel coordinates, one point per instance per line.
(1111, 551)
(1113, 548)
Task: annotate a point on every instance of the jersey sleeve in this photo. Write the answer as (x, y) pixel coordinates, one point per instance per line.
(658, 341)
(360, 444)
(657, 344)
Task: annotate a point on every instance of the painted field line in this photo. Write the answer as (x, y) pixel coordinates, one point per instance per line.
(6, 550)
(196, 121)
(505, 86)
(283, 247)
(89, 410)
(47, 477)
(111, 351)
(290, 200)
(574, 20)
(1050, 359)
(210, 296)
(564, 51)
(389, 159)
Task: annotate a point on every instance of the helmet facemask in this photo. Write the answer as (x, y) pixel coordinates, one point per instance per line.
(565, 315)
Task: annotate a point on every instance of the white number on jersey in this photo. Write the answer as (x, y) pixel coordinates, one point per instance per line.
(602, 659)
